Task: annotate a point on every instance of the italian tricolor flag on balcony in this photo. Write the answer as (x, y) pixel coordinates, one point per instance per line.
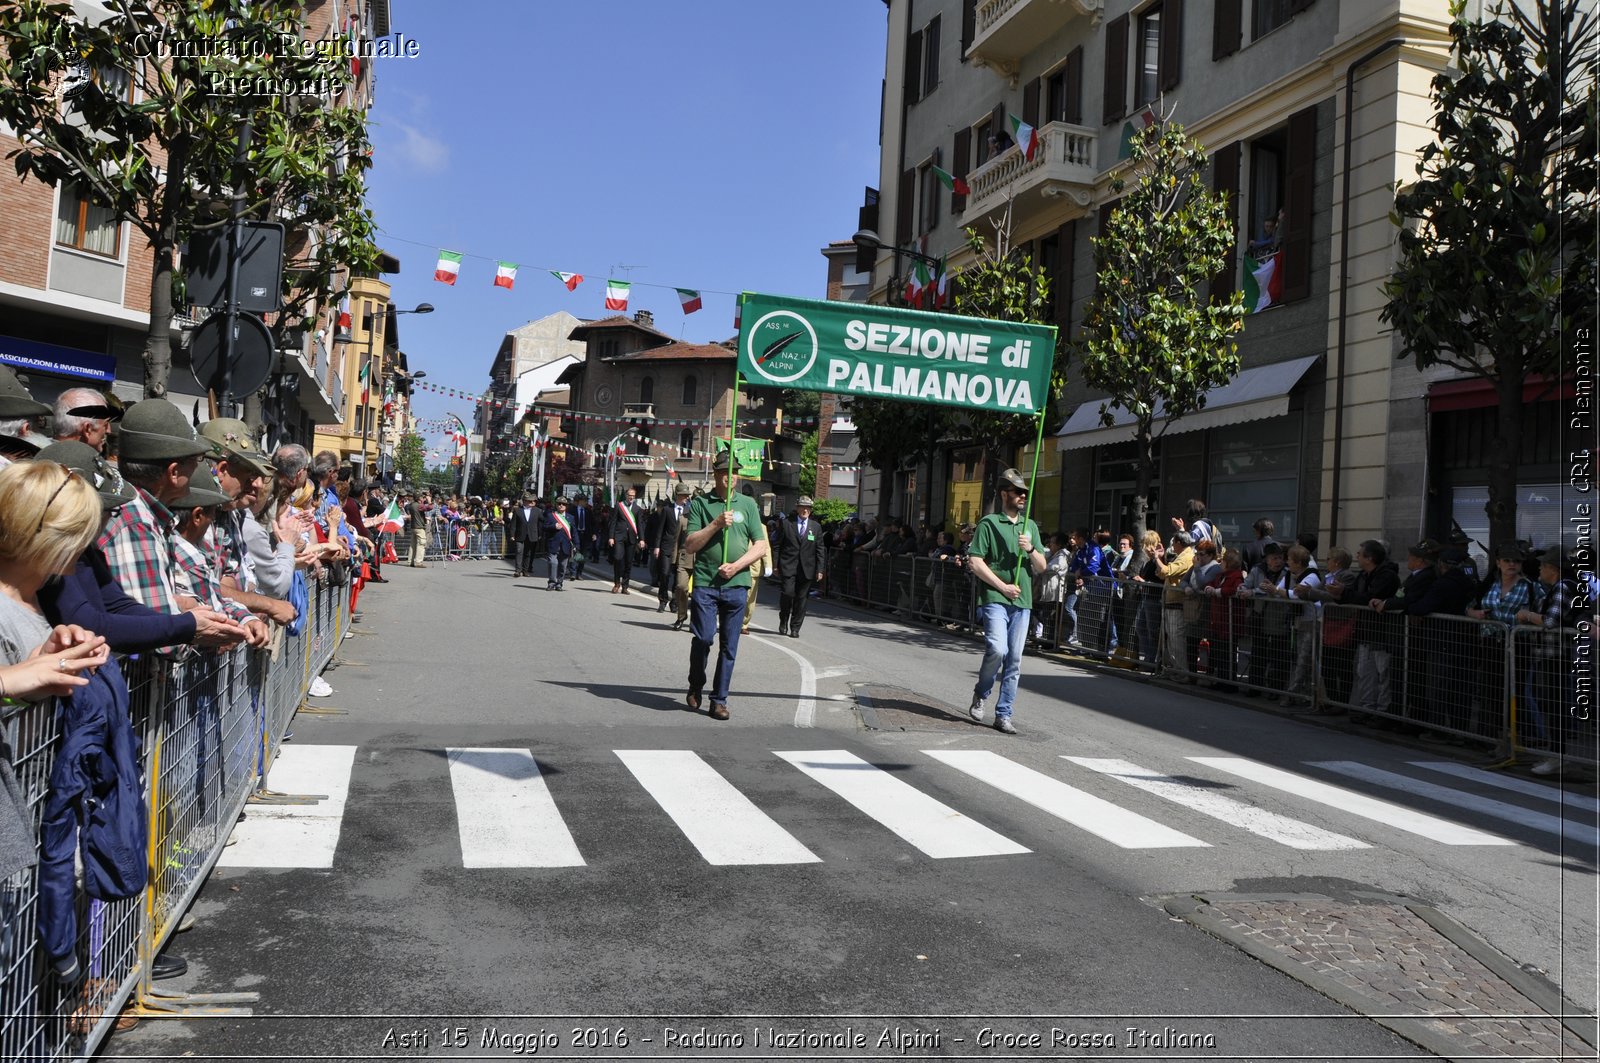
(449, 267)
(1263, 282)
(617, 295)
(952, 182)
(1027, 137)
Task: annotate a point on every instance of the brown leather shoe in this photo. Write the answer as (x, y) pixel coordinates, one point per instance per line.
(616, 588)
(719, 710)
(693, 700)
(626, 591)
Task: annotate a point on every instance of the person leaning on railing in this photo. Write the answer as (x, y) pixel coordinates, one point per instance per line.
(1548, 687)
(1507, 595)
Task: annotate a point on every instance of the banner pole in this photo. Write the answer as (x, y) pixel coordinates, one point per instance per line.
(733, 458)
(1033, 477)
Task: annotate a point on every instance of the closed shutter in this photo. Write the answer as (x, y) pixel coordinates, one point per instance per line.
(1299, 176)
(1061, 283)
(1072, 83)
(1114, 103)
(866, 257)
(905, 209)
(998, 124)
(1171, 61)
(913, 84)
(1030, 103)
(969, 25)
(1225, 181)
(1226, 28)
(1297, 6)
(961, 165)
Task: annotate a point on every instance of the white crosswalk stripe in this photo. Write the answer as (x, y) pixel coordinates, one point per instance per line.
(1542, 791)
(296, 836)
(1259, 821)
(718, 820)
(1541, 821)
(1084, 810)
(935, 828)
(1357, 804)
(505, 813)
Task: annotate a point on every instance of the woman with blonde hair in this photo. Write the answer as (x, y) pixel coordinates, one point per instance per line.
(1147, 613)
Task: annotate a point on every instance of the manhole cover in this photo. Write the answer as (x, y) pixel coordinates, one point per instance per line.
(887, 708)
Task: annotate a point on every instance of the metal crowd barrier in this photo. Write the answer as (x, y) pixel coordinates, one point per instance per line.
(208, 727)
(920, 588)
(486, 540)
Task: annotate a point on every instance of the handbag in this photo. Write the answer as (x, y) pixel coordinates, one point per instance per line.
(1337, 631)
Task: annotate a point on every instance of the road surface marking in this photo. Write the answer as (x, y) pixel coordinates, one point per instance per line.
(937, 829)
(505, 813)
(287, 836)
(1398, 816)
(1084, 810)
(1543, 791)
(1259, 821)
(718, 820)
(805, 710)
(1541, 821)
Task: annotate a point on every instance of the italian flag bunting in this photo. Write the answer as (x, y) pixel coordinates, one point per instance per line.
(917, 283)
(690, 300)
(449, 267)
(505, 274)
(617, 295)
(1027, 137)
(952, 182)
(571, 280)
(1263, 282)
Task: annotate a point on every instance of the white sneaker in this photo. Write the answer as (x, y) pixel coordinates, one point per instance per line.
(319, 688)
(975, 710)
(1547, 766)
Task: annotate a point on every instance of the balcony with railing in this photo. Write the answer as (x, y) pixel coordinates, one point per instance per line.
(1062, 165)
(1007, 30)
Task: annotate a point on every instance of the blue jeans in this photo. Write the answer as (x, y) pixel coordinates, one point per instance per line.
(1005, 629)
(715, 613)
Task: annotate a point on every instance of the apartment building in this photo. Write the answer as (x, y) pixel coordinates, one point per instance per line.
(1311, 111)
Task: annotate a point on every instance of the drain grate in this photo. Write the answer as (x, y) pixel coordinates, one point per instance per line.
(889, 708)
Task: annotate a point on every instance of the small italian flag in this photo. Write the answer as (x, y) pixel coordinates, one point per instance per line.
(393, 519)
(505, 274)
(690, 299)
(941, 293)
(365, 377)
(952, 182)
(449, 267)
(917, 283)
(1027, 137)
(616, 295)
(344, 317)
(571, 280)
(1263, 282)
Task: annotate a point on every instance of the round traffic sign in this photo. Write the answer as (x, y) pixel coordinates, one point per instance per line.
(252, 353)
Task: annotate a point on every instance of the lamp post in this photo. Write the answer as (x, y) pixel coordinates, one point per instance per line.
(466, 459)
(366, 414)
(869, 240)
(611, 462)
(383, 421)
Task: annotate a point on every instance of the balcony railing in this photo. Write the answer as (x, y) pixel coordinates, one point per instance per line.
(1007, 30)
(1062, 165)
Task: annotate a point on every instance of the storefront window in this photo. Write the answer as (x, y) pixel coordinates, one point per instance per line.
(1254, 473)
(1538, 517)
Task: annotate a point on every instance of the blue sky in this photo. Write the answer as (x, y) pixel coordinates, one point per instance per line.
(716, 145)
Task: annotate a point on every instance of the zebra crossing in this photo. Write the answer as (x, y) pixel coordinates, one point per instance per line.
(508, 817)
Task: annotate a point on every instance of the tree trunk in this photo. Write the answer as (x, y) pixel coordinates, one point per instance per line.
(158, 340)
(1504, 450)
(1141, 492)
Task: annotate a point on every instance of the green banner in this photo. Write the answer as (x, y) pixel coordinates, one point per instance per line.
(884, 351)
(747, 455)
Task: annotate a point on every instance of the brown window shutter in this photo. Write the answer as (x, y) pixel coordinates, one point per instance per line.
(1061, 283)
(1299, 175)
(998, 123)
(1115, 101)
(1225, 181)
(1297, 6)
(969, 25)
(960, 166)
(1171, 61)
(930, 44)
(1030, 102)
(867, 218)
(1072, 80)
(913, 84)
(905, 213)
(1227, 26)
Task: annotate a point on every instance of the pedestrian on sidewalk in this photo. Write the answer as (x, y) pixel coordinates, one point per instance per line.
(1004, 558)
(799, 564)
(724, 532)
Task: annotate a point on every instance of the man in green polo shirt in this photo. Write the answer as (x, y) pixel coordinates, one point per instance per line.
(724, 534)
(1004, 557)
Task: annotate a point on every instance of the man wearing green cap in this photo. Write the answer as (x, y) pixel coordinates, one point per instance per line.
(20, 438)
(242, 473)
(194, 554)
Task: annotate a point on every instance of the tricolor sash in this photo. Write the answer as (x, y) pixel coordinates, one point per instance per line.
(559, 519)
(627, 512)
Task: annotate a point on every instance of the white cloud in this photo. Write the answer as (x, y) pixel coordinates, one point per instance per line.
(420, 150)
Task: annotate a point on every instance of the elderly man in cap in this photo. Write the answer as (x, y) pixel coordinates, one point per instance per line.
(243, 473)
(723, 530)
(797, 557)
(85, 415)
(1004, 557)
(20, 417)
(159, 454)
(195, 515)
(668, 530)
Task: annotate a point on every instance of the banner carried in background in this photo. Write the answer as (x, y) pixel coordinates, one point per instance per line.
(747, 455)
(892, 353)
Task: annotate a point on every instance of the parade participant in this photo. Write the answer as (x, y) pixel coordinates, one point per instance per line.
(756, 572)
(625, 536)
(1004, 559)
(723, 531)
(798, 561)
(20, 418)
(85, 415)
(559, 536)
(527, 527)
(583, 527)
(664, 546)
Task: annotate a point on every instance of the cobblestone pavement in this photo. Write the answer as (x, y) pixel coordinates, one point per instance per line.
(1404, 965)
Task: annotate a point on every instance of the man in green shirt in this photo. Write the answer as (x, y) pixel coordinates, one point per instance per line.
(1004, 559)
(723, 531)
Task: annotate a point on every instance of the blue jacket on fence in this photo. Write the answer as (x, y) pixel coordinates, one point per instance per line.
(91, 598)
(96, 802)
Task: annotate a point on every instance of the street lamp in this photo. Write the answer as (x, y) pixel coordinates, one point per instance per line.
(466, 459)
(383, 421)
(366, 414)
(869, 240)
(611, 461)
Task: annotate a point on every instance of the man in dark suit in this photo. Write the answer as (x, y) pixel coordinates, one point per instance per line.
(559, 534)
(798, 561)
(527, 527)
(626, 534)
(664, 545)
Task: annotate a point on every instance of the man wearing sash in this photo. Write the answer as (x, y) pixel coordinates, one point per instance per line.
(558, 539)
(625, 536)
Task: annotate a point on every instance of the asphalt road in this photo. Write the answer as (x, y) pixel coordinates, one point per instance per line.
(795, 882)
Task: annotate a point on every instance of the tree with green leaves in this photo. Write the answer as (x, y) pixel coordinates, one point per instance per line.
(408, 459)
(808, 465)
(1497, 234)
(144, 111)
(1152, 340)
(829, 511)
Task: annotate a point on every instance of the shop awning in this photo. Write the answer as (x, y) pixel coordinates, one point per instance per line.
(1253, 395)
(1476, 393)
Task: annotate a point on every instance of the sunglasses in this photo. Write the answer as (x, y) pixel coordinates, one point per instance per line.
(71, 475)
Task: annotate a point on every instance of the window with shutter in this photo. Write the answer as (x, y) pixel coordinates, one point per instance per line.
(1225, 181)
(1299, 181)
(928, 199)
(1226, 29)
(647, 389)
(905, 210)
(960, 166)
(913, 85)
(1072, 109)
(1171, 44)
(691, 390)
(930, 57)
(1030, 102)
(1147, 57)
(983, 137)
(969, 25)
(1268, 15)
(1114, 101)
(1061, 278)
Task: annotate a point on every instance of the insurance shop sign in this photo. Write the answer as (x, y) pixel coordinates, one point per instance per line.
(887, 352)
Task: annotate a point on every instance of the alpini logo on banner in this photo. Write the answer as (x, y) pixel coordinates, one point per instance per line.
(782, 346)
